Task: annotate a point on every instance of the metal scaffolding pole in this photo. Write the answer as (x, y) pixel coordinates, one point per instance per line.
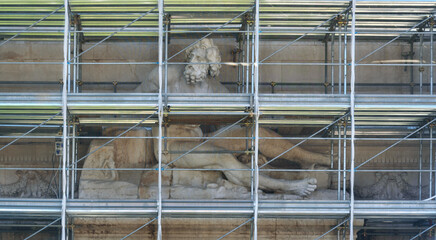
(421, 61)
(247, 42)
(340, 59)
(325, 66)
(420, 166)
(396, 143)
(73, 160)
(68, 83)
(432, 22)
(42, 229)
(302, 36)
(31, 130)
(136, 230)
(412, 69)
(426, 230)
(74, 56)
(256, 115)
(111, 35)
(345, 51)
(165, 101)
(392, 40)
(31, 26)
(254, 102)
(65, 119)
(339, 159)
(352, 102)
(430, 162)
(210, 33)
(338, 225)
(160, 114)
(332, 60)
(332, 144)
(344, 156)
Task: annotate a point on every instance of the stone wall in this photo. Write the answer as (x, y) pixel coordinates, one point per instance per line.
(304, 51)
(173, 228)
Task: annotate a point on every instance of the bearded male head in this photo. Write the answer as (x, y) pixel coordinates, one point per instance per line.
(202, 52)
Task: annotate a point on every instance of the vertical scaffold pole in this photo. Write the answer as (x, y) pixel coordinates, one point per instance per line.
(247, 74)
(421, 61)
(160, 113)
(74, 56)
(344, 175)
(73, 160)
(339, 159)
(68, 146)
(345, 52)
(340, 59)
(326, 45)
(353, 79)
(432, 22)
(430, 162)
(166, 63)
(332, 60)
(256, 114)
(69, 57)
(420, 166)
(64, 118)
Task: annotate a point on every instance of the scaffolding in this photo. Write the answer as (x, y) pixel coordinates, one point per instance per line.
(339, 114)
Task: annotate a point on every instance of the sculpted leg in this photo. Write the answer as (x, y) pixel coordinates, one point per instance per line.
(228, 161)
(271, 148)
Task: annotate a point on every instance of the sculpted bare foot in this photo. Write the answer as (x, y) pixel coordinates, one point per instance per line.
(303, 187)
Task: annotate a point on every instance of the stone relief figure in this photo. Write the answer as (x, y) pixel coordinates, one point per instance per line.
(104, 181)
(389, 186)
(30, 184)
(200, 78)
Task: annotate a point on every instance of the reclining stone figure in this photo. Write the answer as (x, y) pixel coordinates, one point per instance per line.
(200, 78)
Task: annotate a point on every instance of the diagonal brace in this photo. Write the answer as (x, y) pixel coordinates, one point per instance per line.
(201, 144)
(305, 34)
(31, 26)
(236, 228)
(395, 144)
(113, 139)
(31, 130)
(207, 35)
(42, 229)
(430, 198)
(384, 45)
(301, 142)
(419, 234)
(346, 220)
(106, 38)
(141, 227)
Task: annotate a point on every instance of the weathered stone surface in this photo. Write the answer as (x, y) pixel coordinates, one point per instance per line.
(205, 228)
(101, 189)
(121, 153)
(29, 184)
